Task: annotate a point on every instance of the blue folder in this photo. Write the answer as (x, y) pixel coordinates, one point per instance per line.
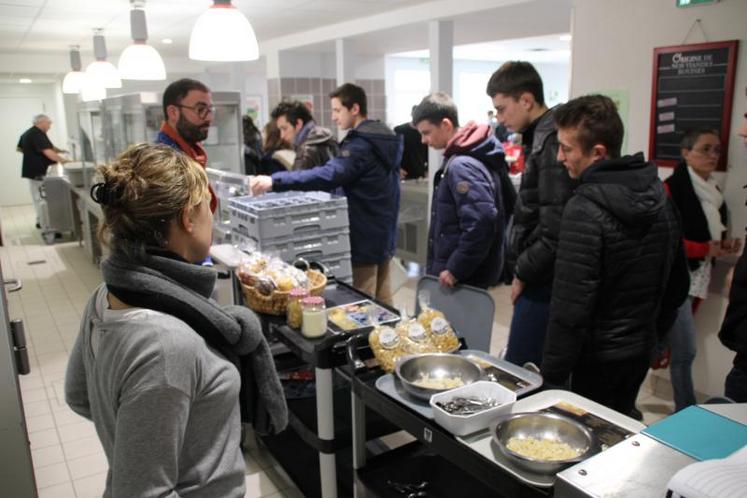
(699, 433)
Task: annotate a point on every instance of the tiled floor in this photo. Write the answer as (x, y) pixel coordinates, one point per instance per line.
(57, 281)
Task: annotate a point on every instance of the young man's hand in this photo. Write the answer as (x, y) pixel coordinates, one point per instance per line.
(446, 279)
(517, 287)
(260, 184)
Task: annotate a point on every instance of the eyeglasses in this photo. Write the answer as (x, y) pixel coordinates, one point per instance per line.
(707, 150)
(202, 110)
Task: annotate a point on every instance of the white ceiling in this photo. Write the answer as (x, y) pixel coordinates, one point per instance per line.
(34, 26)
(537, 49)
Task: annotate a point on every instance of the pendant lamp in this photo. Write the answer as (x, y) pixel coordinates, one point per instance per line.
(91, 90)
(102, 70)
(140, 61)
(223, 34)
(73, 81)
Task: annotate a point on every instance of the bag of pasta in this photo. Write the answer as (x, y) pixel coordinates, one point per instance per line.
(385, 343)
(439, 329)
(415, 338)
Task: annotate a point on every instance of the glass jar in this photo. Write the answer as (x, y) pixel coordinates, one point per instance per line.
(294, 311)
(314, 322)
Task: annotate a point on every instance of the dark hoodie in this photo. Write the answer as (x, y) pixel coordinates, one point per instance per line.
(367, 170)
(620, 272)
(467, 212)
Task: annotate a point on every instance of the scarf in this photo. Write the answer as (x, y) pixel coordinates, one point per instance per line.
(195, 151)
(711, 200)
(164, 282)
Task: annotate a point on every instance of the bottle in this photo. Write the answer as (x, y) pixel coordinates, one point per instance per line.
(314, 317)
(294, 311)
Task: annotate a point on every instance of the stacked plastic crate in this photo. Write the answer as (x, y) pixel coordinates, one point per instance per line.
(292, 225)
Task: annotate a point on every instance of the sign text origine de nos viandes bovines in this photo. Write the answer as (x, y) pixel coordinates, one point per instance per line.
(692, 88)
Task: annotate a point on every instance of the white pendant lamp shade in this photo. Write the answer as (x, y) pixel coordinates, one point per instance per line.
(140, 61)
(91, 89)
(73, 81)
(102, 70)
(223, 34)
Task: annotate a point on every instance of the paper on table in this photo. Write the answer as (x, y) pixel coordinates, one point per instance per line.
(720, 478)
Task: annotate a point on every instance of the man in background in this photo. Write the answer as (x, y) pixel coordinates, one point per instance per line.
(188, 113)
(367, 171)
(517, 93)
(465, 239)
(314, 144)
(38, 153)
(415, 152)
(620, 269)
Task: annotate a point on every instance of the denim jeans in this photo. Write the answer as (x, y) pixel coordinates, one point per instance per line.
(736, 385)
(526, 337)
(682, 344)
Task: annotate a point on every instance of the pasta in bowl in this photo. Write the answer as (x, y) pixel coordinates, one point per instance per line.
(544, 443)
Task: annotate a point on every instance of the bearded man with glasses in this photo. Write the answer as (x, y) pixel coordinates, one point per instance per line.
(188, 113)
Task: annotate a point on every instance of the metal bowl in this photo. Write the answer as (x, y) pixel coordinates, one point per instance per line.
(411, 369)
(544, 426)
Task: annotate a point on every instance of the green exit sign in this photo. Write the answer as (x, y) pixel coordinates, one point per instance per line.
(688, 3)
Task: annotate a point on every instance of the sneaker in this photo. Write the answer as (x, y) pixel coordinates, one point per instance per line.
(636, 414)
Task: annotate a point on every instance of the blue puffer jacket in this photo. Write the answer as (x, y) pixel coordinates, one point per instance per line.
(467, 218)
(367, 170)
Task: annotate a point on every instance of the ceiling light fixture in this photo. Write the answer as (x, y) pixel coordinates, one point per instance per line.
(167, 41)
(565, 37)
(102, 70)
(73, 81)
(25, 81)
(91, 90)
(223, 34)
(140, 61)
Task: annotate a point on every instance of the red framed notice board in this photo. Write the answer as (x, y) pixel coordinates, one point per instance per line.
(692, 87)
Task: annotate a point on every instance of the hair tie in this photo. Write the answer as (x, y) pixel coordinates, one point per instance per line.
(105, 194)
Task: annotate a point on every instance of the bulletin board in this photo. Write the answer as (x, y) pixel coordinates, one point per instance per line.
(692, 87)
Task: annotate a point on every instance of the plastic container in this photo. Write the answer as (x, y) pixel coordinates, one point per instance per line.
(314, 323)
(286, 213)
(460, 425)
(294, 312)
(302, 244)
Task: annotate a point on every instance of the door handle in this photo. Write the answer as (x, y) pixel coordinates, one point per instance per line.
(15, 282)
(23, 367)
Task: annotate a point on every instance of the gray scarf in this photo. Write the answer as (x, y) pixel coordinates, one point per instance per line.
(164, 282)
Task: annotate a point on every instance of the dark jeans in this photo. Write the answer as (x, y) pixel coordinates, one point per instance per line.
(735, 386)
(526, 338)
(613, 384)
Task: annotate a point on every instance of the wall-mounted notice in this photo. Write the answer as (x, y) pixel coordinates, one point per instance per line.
(692, 87)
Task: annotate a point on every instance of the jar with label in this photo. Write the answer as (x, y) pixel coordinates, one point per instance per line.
(294, 311)
(314, 321)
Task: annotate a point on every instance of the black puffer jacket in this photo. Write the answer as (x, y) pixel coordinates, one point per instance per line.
(545, 188)
(620, 268)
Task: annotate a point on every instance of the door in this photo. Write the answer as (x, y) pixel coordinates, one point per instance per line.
(17, 115)
(16, 469)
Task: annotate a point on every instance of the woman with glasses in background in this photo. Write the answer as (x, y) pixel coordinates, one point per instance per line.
(701, 204)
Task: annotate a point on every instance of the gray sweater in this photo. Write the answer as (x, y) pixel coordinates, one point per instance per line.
(165, 404)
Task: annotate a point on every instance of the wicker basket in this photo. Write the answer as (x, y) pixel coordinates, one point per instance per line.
(276, 303)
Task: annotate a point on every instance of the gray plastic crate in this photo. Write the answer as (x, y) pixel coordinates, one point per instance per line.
(300, 244)
(338, 265)
(282, 214)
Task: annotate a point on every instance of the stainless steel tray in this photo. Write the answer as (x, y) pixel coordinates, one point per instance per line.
(390, 385)
(482, 442)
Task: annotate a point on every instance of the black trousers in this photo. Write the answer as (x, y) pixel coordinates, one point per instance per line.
(612, 384)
